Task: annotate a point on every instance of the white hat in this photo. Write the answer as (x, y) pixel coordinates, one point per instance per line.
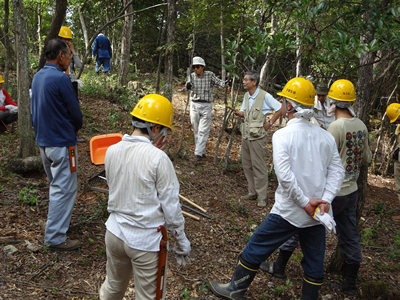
(197, 60)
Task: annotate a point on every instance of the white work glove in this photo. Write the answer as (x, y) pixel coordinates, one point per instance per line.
(182, 250)
(80, 83)
(12, 108)
(326, 220)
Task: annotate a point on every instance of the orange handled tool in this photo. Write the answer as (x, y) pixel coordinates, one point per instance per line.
(162, 262)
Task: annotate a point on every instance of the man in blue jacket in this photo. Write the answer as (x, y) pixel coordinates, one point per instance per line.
(56, 119)
(102, 50)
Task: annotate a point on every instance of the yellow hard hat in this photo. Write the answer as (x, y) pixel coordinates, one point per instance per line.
(300, 90)
(65, 32)
(1, 79)
(155, 109)
(342, 90)
(393, 111)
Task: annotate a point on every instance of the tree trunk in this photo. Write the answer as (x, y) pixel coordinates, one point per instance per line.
(39, 28)
(84, 29)
(169, 51)
(223, 71)
(161, 40)
(125, 47)
(56, 23)
(27, 137)
(6, 43)
(265, 70)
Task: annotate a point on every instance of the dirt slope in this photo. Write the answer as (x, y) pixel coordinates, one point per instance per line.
(216, 243)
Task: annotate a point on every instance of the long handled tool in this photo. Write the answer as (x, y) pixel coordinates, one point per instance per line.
(162, 263)
(196, 211)
(191, 202)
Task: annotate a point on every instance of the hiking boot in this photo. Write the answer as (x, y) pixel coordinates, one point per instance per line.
(262, 203)
(249, 197)
(68, 245)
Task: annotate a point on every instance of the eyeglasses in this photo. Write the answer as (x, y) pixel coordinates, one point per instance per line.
(196, 67)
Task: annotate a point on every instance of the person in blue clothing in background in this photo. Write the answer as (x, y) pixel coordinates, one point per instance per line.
(103, 52)
(57, 118)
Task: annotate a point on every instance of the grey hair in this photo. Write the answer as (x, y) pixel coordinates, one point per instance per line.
(253, 76)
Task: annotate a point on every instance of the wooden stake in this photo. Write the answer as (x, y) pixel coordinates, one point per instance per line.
(191, 202)
(190, 215)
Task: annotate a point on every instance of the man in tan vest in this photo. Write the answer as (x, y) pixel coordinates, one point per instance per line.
(257, 103)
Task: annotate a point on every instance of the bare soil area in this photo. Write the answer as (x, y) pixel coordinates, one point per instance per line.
(33, 272)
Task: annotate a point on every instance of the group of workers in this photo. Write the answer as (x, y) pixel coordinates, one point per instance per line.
(144, 189)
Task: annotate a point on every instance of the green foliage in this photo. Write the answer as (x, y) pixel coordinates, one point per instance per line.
(283, 288)
(28, 195)
(395, 250)
(367, 237)
(380, 209)
(185, 294)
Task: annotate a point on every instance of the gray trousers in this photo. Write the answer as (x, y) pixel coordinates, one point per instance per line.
(62, 193)
(200, 117)
(122, 261)
(254, 166)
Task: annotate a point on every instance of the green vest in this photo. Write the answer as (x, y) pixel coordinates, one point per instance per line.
(254, 119)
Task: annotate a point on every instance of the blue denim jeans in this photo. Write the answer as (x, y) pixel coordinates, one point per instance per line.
(345, 215)
(62, 193)
(103, 61)
(275, 230)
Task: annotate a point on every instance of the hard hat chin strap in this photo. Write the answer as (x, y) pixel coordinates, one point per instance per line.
(294, 106)
(148, 125)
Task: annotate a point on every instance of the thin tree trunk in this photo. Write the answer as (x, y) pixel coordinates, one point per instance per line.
(169, 52)
(161, 40)
(266, 66)
(125, 47)
(6, 43)
(84, 29)
(39, 28)
(223, 71)
(27, 139)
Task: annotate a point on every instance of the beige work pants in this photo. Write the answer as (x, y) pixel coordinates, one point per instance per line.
(397, 177)
(122, 261)
(254, 166)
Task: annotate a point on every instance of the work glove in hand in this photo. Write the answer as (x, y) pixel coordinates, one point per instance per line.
(326, 220)
(182, 260)
(188, 85)
(229, 82)
(182, 250)
(9, 107)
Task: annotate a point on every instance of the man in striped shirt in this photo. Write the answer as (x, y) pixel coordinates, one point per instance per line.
(143, 194)
(201, 85)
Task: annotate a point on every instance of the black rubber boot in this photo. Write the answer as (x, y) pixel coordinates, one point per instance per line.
(277, 268)
(311, 287)
(240, 282)
(349, 285)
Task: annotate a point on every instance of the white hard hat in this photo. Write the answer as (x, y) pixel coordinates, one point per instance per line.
(197, 60)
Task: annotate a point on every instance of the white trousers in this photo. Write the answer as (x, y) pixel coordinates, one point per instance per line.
(200, 117)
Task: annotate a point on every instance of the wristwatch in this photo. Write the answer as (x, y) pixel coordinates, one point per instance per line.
(271, 123)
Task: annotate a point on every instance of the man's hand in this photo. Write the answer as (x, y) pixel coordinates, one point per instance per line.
(71, 46)
(313, 204)
(266, 126)
(239, 113)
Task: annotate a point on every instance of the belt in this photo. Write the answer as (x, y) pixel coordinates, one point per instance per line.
(201, 101)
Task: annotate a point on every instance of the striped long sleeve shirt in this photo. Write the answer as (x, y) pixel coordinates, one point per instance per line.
(202, 87)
